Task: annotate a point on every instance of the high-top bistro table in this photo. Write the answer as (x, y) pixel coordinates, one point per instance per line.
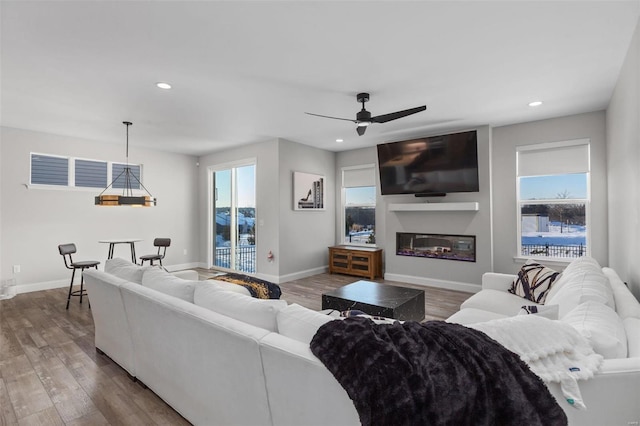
(114, 241)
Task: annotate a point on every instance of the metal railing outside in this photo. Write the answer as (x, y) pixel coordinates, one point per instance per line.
(553, 250)
(245, 258)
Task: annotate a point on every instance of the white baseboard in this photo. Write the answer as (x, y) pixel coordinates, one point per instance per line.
(432, 282)
(279, 279)
(46, 285)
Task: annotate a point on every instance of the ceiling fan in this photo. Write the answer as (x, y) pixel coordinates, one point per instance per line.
(364, 118)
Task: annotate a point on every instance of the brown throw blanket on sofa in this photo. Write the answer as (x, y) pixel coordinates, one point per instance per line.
(258, 288)
(434, 373)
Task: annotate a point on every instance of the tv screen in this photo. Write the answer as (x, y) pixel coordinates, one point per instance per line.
(430, 166)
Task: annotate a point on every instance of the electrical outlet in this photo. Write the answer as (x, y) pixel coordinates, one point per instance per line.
(16, 269)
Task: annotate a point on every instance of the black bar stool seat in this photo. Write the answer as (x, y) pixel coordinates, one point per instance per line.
(162, 244)
(66, 250)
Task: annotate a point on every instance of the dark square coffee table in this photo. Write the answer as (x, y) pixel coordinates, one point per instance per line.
(377, 299)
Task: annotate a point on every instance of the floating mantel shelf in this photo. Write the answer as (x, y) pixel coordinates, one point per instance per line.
(431, 207)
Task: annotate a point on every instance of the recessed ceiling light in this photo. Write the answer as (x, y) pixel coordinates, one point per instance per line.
(162, 85)
(339, 140)
(535, 103)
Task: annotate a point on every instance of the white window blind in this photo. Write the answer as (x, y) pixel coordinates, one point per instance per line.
(49, 170)
(359, 176)
(553, 158)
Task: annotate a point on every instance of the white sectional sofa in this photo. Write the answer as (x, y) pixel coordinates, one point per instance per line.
(601, 307)
(219, 357)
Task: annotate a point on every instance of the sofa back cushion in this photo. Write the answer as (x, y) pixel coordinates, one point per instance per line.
(580, 286)
(627, 306)
(601, 326)
(126, 270)
(162, 281)
(300, 323)
(259, 312)
(632, 327)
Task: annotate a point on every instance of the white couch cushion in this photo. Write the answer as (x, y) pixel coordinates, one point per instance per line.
(547, 311)
(223, 285)
(632, 328)
(259, 312)
(581, 286)
(126, 270)
(576, 267)
(496, 301)
(300, 323)
(160, 280)
(626, 303)
(601, 326)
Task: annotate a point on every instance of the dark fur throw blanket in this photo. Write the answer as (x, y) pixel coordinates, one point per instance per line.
(432, 373)
(258, 288)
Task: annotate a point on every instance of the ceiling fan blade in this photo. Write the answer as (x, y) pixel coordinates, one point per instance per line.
(398, 114)
(334, 118)
(361, 130)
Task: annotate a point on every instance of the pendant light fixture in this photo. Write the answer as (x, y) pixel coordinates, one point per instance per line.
(127, 198)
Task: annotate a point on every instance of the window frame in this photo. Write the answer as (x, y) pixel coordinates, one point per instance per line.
(343, 206)
(71, 177)
(553, 201)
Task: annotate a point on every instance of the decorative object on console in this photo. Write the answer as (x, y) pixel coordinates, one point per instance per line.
(258, 288)
(436, 246)
(127, 198)
(308, 191)
(534, 281)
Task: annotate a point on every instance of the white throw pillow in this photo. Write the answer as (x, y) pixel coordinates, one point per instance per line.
(576, 268)
(124, 269)
(632, 327)
(162, 281)
(259, 312)
(580, 287)
(601, 326)
(300, 323)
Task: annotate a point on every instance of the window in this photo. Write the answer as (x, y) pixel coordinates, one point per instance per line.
(90, 174)
(71, 172)
(49, 170)
(553, 199)
(359, 204)
(119, 176)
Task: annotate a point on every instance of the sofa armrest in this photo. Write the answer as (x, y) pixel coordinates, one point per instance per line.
(497, 281)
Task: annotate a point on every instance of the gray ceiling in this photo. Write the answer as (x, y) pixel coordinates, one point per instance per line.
(245, 72)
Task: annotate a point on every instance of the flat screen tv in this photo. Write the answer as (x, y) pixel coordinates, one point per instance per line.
(432, 166)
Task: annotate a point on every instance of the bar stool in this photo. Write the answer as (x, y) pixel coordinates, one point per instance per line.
(66, 250)
(162, 244)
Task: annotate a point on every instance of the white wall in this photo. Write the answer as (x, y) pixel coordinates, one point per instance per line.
(505, 140)
(35, 221)
(623, 161)
(305, 235)
(444, 273)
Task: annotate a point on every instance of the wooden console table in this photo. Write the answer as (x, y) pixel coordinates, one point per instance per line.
(354, 260)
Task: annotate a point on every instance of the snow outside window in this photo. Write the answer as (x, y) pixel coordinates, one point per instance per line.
(553, 200)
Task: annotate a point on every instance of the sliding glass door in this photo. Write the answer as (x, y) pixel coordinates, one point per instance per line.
(233, 217)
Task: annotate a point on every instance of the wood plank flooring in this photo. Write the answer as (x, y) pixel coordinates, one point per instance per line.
(51, 374)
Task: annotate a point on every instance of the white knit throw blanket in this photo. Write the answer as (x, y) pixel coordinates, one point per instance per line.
(554, 350)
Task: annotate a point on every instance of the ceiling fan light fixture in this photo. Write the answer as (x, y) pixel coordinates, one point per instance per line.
(363, 123)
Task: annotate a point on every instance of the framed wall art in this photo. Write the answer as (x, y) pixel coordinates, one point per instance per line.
(308, 191)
